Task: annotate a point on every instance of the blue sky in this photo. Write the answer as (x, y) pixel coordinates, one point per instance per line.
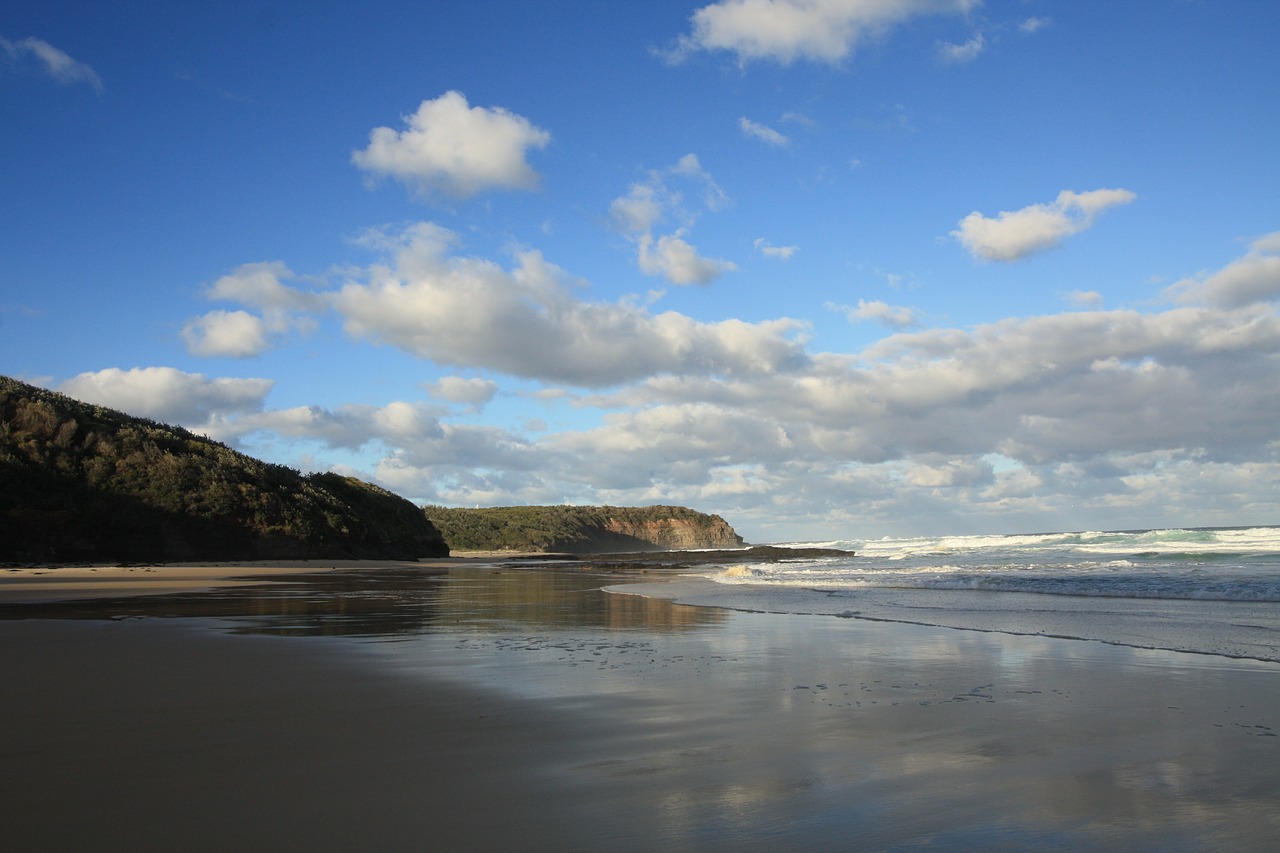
(829, 268)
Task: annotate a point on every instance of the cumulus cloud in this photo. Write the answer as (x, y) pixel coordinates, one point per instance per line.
(784, 31)
(641, 208)
(421, 455)
(456, 389)
(957, 54)
(53, 62)
(451, 148)
(661, 197)
(1245, 281)
(233, 334)
(262, 286)
(893, 316)
(1031, 25)
(764, 133)
(239, 334)
(168, 394)
(1108, 414)
(1080, 407)
(951, 473)
(350, 426)
(1013, 235)
(781, 253)
(677, 261)
(1074, 404)
(1085, 298)
(524, 321)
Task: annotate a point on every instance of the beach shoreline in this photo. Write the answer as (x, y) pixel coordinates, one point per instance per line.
(527, 709)
(1229, 629)
(54, 583)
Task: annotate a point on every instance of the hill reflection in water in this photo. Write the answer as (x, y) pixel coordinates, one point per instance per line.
(401, 602)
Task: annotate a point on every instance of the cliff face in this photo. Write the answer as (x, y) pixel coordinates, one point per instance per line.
(581, 529)
(84, 483)
(676, 533)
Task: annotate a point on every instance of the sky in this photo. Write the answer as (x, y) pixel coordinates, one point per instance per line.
(832, 269)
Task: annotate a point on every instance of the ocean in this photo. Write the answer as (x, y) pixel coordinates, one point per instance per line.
(1213, 591)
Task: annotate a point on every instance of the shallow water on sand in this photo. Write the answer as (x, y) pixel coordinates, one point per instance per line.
(396, 603)
(692, 728)
(873, 735)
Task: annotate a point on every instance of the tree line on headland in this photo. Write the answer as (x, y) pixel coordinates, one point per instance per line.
(80, 482)
(581, 529)
(84, 483)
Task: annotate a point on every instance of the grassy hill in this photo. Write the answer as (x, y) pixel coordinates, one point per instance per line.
(80, 482)
(581, 529)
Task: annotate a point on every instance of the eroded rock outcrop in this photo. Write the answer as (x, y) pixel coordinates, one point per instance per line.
(581, 529)
(676, 532)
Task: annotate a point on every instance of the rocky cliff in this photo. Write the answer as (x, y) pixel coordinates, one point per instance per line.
(674, 532)
(581, 529)
(84, 483)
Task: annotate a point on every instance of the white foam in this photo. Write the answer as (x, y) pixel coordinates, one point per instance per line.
(1228, 628)
(1217, 564)
(1215, 591)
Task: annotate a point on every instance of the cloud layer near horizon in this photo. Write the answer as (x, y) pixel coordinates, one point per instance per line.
(1006, 417)
(523, 321)
(1010, 415)
(906, 283)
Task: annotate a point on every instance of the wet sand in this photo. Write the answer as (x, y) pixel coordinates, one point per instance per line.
(523, 709)
(67, 583)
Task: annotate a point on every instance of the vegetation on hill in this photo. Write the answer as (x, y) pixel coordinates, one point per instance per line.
(581, 529)
(80, 482)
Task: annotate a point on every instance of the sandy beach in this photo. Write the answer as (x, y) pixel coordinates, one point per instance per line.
(67, 583)
(469, 705)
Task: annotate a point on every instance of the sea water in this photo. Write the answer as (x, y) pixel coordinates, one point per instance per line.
(1207, 590)
(1219, 564)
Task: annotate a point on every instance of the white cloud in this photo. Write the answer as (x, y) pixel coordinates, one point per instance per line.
(1085, 298)
(1079, 403)
(239, 334)
(689, 166)
(261, 285)
(167, 394)
(1248, 280)
(452, 148)
(233, 334)
(1095, 417)
(677, 261)
(455, 389)
(893, 316)
(1013, 235)
(1031, 25)
(786, 30)
(525, 322)
(961, 53)
(350, 426)
(764, 133)
(781, 253)
(661, 197)
(640, 209)
(54, 62)
(949, 474)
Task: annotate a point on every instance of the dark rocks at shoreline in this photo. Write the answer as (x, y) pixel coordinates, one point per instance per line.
(677, 560)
